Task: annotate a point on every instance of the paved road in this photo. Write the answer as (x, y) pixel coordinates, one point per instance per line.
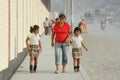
(103, 60)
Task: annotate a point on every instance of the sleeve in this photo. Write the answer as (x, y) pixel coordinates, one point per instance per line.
(72, 38)
(39, 37)
(81, 39)
(29, 35)
(69, 27)
(43, 22)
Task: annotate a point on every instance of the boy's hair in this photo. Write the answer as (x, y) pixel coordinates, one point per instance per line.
(33, 28)
(77, 29)
(36, 27)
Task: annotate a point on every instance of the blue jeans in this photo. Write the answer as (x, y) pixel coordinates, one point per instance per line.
(61, 48)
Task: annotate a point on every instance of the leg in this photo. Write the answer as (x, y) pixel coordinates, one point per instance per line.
(35, 63)
(57, 68)
(31, 64)
(64, 57)
(75, 64)
(78, 64)
(45, 31)
(57, 56)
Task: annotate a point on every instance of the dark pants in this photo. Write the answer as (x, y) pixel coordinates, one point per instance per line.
(46, 30)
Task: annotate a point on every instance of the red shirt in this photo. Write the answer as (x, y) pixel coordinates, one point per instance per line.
(61, 33)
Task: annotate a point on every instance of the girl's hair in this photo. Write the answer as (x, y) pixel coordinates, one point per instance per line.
(33, 28)
(77, 29)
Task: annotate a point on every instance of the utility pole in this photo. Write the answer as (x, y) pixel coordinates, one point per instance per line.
(72, 12)
(64, 7)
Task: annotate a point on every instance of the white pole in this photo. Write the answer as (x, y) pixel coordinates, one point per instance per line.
(72, 12)
(64, 7)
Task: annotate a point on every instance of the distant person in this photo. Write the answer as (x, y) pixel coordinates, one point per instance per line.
(103, 24)
(46, 25)
(60, 40)
(77, 44)
(51, 24)
(83, 26)
(34, 47)
(56, 21)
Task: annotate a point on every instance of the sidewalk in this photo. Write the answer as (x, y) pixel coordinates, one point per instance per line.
(46, 67)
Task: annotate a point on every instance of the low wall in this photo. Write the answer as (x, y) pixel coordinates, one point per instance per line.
(13, 65)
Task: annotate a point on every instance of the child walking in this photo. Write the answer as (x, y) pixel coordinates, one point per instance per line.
(77, 44)
(34, 47)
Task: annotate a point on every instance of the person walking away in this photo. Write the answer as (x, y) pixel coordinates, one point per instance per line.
(103, 24)
(61, 35)
(46, 25)
(83, 26)
(34, 47)
(55, 22)
(51, 24)
(77, 44)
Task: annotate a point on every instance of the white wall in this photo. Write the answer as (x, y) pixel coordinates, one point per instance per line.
(20, 26)
(13, 25)
(23, 14)
(3, 34)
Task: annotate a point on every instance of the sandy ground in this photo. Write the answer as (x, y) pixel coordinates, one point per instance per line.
(102, 61)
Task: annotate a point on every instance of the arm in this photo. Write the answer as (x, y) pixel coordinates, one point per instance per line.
(40, 45)
(52, 38)
(67, 41)
(28, 47)
(84, 46)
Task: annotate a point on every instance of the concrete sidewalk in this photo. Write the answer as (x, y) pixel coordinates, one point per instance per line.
(46, 66)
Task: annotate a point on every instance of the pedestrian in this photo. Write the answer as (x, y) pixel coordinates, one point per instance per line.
(55, 22)
(46, 25)
(83, 26)
(51, 24)
(61, 35)
(103, 24)
(77, 44)
(34, 47)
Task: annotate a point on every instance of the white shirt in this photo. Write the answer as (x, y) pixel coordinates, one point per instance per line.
(34, 39)
(46, 23)
(76, 41)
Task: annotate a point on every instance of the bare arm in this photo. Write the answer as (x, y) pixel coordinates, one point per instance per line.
(52, 38)
(67, 41)
(84, 46)
(40, 45)
(28, 47)
(27, 39)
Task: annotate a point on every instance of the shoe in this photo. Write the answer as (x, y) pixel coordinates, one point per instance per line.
(35, 67)
(56, 72)
(78, 67)
(31, 68)
(78, 70)
(75, 68)
(63, 71)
